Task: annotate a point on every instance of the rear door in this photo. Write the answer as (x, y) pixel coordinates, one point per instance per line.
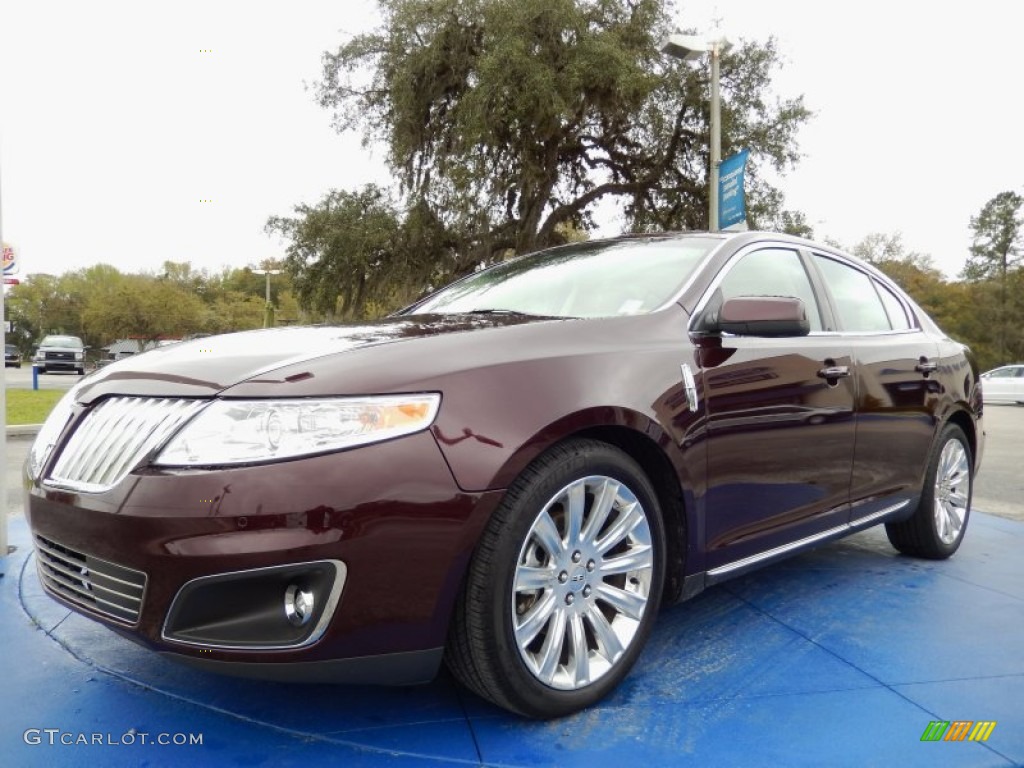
(1018, 384)
(897, 389)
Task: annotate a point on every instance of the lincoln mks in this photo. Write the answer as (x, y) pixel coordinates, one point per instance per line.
(510, 476)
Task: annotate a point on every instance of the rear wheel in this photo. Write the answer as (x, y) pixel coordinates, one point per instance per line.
(937, 526)
(564, 585)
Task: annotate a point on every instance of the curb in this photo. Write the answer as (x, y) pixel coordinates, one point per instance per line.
(23, 430)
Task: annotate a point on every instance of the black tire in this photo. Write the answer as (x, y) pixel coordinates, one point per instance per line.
(923, 534)
(81, 371)
(482, 650)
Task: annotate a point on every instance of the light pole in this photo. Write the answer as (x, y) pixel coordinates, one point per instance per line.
(268, 313)
(691, 48)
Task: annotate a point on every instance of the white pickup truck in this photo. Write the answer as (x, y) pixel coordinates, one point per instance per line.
(60, 353)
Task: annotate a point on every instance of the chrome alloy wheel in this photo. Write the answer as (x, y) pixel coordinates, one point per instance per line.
(952, 485)
(581, 582)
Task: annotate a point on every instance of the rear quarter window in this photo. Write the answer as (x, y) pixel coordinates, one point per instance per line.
(898, 318)
(857, 302)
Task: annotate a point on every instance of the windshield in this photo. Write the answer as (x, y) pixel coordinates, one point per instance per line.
(604, 279)
(68, 342)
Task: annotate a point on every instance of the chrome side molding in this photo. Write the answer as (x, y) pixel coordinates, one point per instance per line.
(770, 554)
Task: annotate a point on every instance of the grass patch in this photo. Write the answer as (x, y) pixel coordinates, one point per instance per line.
(27, 406)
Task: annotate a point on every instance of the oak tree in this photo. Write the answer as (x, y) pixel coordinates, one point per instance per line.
(507, 123)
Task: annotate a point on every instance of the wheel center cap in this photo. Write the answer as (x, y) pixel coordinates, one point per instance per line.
(577, 579)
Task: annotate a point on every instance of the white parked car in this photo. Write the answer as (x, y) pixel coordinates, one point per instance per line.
(1004, 385)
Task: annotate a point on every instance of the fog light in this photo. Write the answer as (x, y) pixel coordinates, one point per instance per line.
(242, 609)
(298, 605)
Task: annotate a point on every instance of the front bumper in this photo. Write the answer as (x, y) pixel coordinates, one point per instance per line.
(390, 514)
(59, 365)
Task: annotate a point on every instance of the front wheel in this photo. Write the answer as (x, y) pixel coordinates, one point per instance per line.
(937, 526)
(564, 584)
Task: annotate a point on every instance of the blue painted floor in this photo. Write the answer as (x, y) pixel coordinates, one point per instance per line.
(838, 657)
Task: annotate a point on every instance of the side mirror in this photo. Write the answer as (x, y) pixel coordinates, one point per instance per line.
(761, 316)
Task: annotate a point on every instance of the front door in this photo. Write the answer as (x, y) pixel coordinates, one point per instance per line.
(780, 430)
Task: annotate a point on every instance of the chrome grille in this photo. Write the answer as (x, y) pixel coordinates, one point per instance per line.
(96, 585)
(114, 437)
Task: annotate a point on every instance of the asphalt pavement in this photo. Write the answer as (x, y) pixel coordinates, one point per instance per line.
(17, 450)
(21, 378)
(999, 487)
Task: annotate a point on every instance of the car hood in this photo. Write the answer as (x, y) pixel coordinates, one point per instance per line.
(207, 366)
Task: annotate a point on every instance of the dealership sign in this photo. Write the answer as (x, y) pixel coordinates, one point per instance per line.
(732, 209)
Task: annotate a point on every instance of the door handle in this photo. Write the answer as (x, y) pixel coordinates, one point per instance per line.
(833, 372)
(926, 367)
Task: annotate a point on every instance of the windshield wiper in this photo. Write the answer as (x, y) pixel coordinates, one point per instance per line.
(518, 312)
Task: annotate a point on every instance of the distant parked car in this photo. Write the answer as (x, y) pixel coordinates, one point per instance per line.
(1003, 385)
(60, 353)
(12, 356)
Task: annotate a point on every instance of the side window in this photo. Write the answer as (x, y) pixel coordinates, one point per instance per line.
(894, 309)
(772, 272)
(858, 305)
(1006, 373)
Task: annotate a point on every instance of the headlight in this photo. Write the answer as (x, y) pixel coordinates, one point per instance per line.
(49, 433)
(79, 355)
(243, 431)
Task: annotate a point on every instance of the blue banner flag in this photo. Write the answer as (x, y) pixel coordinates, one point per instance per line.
(732, 209)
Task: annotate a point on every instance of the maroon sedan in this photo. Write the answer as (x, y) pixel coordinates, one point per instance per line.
(511, 475)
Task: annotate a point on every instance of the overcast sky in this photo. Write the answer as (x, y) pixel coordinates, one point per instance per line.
(115, 123)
